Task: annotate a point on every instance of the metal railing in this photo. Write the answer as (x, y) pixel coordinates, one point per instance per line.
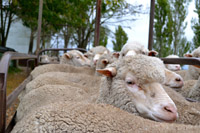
(5, 102)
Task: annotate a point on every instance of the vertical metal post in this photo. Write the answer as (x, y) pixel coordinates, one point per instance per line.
(39, 25)
(151, 21)
(97, 24)
(2, 103)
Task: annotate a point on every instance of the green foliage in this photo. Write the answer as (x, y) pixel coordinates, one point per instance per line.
(12, 70)
(169, 27)
(162, 28)
(196, 25)
(103, 36)
(120, 39)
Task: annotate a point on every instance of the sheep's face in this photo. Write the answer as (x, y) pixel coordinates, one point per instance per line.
(135, 86)
(151, 100)
(173, 79)
(173, 67)
(44, 59)
(76, 58)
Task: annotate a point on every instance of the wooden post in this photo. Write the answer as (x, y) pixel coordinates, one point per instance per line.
(97, 24)
(151, 24)
(39, 25)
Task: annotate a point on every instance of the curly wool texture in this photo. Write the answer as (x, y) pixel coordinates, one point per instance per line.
(61, 68)
(50, 94)
(146, 69)
(59, 78)
(83, 117)
(194, 92)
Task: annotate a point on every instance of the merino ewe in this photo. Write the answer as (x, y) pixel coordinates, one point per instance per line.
(189, 113)
(193, 72)
(194, 92)
(75, 58)
(173, 67)
(173, 80)
(61, 68)
(95, 53)
(133, 83)
(135, 48)
(83, 117)
(60, 78)
(49, 94)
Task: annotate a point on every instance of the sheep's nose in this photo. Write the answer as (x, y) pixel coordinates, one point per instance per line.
(172, 111)
(178, 79)
(178, 67)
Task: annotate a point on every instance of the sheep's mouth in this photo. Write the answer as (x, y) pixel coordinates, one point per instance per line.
(162, 120)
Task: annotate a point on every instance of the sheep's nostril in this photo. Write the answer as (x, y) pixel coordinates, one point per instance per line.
(178, 79)
(166, 108)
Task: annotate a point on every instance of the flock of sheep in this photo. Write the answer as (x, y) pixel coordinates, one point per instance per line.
(103, 91)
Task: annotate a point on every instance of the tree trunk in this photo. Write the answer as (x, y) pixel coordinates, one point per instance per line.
(31, 42)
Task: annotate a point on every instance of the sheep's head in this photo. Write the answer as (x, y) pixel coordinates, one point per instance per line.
(75, 57)
(134, 49)
(134, 85)
(173, 80)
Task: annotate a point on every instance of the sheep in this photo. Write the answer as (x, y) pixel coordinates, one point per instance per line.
(86, 117)
(193, 71)
(173, 67)
(173, 80)
(95, 53)
(133, 83)
(61, 68)
(56, 78)
(189, 113)
(134, 48)
(75, 58)
(187, 87)
(49, 94)
(194, 92)
(106, 59)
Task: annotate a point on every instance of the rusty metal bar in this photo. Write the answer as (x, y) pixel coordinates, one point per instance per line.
(97, 23)
(13, 96)
(2, 103)
(56, 49)
(151, 22)
(182, 60)
(4, 65)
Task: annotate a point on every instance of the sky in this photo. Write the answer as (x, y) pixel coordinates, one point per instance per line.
(140, 28)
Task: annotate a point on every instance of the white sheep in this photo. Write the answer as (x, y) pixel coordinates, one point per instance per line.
(95, 53)
(193, 71)
(75, 58)
(173, 67)
(134, 48)
(83, 117)
(194, 92)
(61, 68)
(133, 83)
(61, 78)
(48, 94)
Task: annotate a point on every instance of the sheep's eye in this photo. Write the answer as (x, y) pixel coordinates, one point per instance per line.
(130, 82)
(143, 52)
(77, 57)
(122, 54)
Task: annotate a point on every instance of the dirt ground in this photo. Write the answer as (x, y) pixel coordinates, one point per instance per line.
(14, 80)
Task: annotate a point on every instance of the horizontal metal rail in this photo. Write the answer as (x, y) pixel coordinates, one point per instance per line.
(182, 60)
(4, 66)
(56, 49)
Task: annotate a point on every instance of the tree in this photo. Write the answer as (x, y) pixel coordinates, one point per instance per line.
(120, 39)
(104, 32)
(179, 12)
(196, 25)
(162, 28)
(7, 9)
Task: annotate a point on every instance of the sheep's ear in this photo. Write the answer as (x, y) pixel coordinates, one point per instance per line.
(116, 55)
(188, 55)
(68, 56)
(109, 72)
(105, 61)
(152, 53)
